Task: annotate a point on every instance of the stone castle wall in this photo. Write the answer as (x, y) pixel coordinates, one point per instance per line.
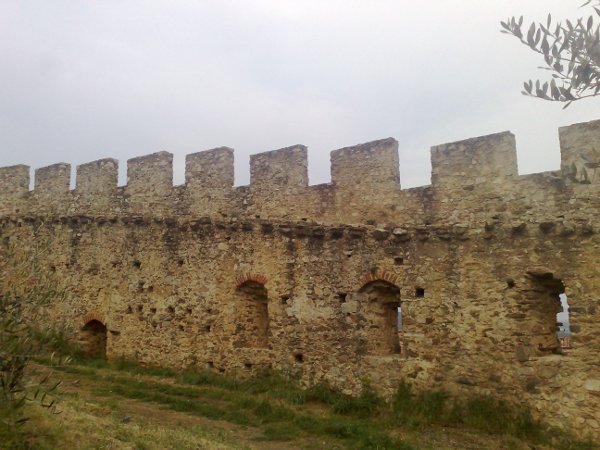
(308, 279)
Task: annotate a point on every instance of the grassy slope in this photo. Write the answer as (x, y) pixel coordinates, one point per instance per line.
(199, 409)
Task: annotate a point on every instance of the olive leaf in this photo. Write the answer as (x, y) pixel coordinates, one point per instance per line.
(571, 52)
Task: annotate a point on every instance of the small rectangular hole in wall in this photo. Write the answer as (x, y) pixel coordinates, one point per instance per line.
(398, 261)
(188, 310)
(419, 292)
(248, 366)
(299, 357)
(170, 310)
(207, 328)
(181, 328)
(285, 299)
(137, 264)
(140, 308)
(153, 310)
(180, 262)
(210, 365)
(129, 309)
(342, 297)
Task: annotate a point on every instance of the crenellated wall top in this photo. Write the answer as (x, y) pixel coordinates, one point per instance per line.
(469, 177)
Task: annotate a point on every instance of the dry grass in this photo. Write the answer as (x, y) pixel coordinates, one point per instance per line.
(84, 424)
(199, 410)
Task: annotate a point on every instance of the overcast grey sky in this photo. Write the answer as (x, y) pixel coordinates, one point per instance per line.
(83, 80)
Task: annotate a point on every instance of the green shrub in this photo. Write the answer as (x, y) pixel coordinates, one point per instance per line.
(25, 287)
(365, 405)
(423, 408)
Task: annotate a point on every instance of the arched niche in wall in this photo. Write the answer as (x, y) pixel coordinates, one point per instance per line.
(381, 318)
(540, 302)
(251, 315)
(92, 339)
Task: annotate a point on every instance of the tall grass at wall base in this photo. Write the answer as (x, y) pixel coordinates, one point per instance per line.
(482, 413)
(408, 407)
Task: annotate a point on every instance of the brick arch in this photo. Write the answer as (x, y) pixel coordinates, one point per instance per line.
(379, 275)
(249, 276)
(94, 315)
(380, 308)
(92, 337)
